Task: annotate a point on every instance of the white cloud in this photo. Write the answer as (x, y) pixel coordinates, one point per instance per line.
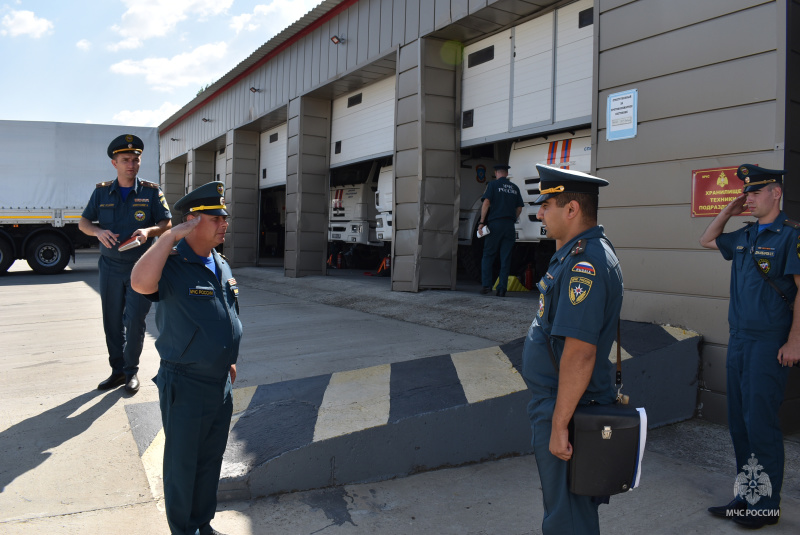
(145, 19)
(25, 23)
(273, 17)
(147, 117)
(126, 44)
(84, 45)
(201, 66)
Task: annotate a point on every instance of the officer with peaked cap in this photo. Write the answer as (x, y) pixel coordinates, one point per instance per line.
(502, 204)
(198, 341)
(126, 208)
(579, 306)
(764, 339)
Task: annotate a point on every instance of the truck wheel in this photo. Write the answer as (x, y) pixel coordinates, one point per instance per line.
(48, 254)
(6, 256)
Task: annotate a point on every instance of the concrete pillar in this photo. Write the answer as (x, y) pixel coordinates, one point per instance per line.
(199, 168)
(426, 190)
(307, 189)
(172, 183)
(241, 196)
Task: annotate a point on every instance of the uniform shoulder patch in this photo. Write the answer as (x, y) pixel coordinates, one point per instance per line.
(103, 184)
(578, 248)
(148, 184)
(792, 223)
(584, 267)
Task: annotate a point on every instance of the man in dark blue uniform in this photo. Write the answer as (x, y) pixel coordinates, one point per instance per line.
(124, 208)
(764, 339)
(198, 341)
(502, 204)
(565, 357)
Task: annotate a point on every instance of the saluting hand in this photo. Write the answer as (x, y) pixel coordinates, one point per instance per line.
(737, 206)
(184, 229)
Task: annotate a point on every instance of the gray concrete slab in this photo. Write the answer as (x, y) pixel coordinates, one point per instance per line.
(77, 469)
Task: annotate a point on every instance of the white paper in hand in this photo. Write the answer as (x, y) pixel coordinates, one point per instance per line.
(483, 231)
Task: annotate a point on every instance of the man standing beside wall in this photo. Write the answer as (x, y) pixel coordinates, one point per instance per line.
(764, 339)
(124, 208)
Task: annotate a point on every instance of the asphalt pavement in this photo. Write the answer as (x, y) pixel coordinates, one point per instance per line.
(70, 463)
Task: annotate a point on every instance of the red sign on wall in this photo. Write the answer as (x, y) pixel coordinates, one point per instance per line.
(713, 190)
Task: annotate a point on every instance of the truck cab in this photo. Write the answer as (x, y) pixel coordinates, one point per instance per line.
(567, 150)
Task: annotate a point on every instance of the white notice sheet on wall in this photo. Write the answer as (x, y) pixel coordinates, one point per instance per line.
(621, 115)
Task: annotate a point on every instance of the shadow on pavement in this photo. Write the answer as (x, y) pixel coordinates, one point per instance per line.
(25, 445)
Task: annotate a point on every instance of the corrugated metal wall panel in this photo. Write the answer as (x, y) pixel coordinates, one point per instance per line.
(386, 25)
(398, 22)
(655, 269)
(695, 46)
(693, 136)
(442, 14)
(699, 90)
(352, 37)
(459, 9)
(374, 44)
(363, 32)
(412, 20)
(655, 17)
(341, 50)
(693, 114)
(427, 13)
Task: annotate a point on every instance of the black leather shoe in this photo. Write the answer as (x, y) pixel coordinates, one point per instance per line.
(115, 379)
(485, 290)
(756, 522)
(204, 531)
(501, 293)
(132, 386)
(728, 511)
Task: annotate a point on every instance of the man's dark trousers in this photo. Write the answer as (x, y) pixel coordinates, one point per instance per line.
(124, 313)
(756, 384)
(196, 414)
(501, 238)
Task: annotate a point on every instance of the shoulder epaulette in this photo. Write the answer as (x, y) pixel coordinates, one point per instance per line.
(147, 184)
(103, 184)
(791, 223)
(578, 248)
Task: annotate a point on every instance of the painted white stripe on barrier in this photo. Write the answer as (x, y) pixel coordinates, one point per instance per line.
(354, 401)
(613, 355)
(678, 333)
(153, 461)
(486, 374)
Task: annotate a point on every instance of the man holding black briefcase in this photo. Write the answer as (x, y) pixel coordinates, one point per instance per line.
(565, 357)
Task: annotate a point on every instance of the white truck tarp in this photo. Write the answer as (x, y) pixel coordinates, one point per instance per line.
(45, 165)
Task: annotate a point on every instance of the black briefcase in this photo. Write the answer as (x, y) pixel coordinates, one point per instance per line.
(605, 449)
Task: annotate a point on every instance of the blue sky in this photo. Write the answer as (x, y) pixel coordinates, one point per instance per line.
(131, 62)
